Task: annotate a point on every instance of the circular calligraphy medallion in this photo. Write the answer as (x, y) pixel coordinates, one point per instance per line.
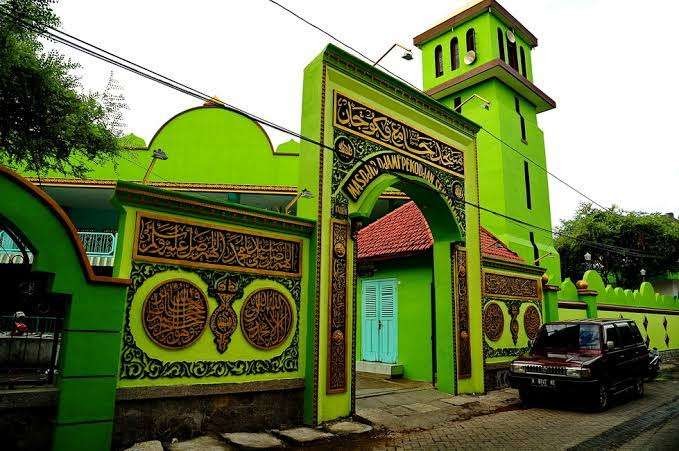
(493, 321)
(458, 190)
(340, 250)
(266, 318)
(531, 322)
(344, 149)
(175, 314)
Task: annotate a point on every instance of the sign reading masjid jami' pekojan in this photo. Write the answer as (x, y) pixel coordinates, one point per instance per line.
(386, 163)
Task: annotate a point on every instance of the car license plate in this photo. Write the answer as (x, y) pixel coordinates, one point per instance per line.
(543, 382)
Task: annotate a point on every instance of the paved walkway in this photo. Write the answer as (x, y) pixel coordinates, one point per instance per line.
(648, 423)
(403, 405)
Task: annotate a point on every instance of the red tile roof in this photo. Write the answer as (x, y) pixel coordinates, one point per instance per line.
(404, 231)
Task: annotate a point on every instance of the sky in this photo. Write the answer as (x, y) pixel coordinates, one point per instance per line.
(609, 64)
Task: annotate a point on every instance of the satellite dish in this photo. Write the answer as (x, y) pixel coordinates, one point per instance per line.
(510, 36)
(469, 57)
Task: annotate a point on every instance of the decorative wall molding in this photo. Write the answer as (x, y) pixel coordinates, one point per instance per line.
(633, 309)
(223, 321)
(145, 196)
(337, 327)
(180, 391)
(573, 305)
(160, 239)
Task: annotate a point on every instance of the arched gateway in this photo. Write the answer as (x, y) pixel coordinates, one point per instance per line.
(385, 134)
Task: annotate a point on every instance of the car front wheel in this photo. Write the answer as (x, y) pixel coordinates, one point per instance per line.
(602, 398)
(639, 388)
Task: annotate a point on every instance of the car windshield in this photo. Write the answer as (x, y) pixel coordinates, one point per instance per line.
(568, 337)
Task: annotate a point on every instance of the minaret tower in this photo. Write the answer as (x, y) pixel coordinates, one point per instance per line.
(478, 62)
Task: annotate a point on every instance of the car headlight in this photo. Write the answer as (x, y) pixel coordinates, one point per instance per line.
(578, 372)
(518, 368)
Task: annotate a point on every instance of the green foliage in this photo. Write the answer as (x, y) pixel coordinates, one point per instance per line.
(46, 122)
(654, 236)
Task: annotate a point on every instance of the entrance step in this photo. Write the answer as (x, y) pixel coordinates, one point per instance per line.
(304, 435)
(253, 440)
(348, 428)
(385, 369)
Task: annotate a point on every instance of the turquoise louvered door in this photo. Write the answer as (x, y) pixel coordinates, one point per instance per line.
(386, 322)
(370, 337)
(379, 340)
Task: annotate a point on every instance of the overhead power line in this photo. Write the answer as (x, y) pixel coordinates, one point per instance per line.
(338, 40)
(126, 64)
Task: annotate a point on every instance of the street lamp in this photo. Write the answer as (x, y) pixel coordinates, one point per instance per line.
(485, 104)
(588, 260)
(158, 154)
(643, 274)
(305, 193)
(407, 53)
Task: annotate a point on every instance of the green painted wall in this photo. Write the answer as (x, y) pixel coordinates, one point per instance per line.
(90, 346)
(414, 278)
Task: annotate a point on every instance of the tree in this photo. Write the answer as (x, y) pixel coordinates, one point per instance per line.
(46, 121)
(626, 243)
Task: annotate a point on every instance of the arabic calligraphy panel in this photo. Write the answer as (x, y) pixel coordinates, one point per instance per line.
(266, 318)
(510, 286)
(175, 314)
(371, 124)
(165, 240)
(337, 358)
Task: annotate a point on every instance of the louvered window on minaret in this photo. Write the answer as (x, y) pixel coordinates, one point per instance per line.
(438, 60)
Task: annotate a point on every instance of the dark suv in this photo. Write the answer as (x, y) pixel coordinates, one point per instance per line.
(593, 358)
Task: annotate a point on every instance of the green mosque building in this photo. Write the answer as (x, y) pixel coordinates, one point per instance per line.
(211, 282)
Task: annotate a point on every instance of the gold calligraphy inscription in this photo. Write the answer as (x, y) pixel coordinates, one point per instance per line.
(368, 171)
(361, 120)
(510, 286)
(493, 321)
(175, 314)
(266, 318)
(337, 354)
(531, 322)
(165, 240)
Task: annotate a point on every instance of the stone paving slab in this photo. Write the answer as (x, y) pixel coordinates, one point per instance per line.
(153, 445)
(204, 443)
(458, 400)
(253, 440)
(399, 411)
(349, 427)
(421, 407)
(303, 435)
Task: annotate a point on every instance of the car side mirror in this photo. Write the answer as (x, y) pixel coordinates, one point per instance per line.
(610, 344)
